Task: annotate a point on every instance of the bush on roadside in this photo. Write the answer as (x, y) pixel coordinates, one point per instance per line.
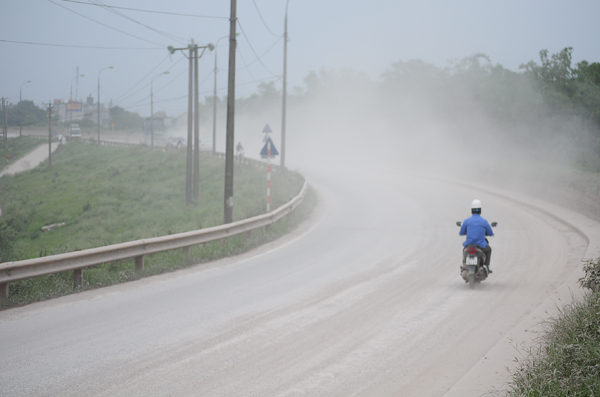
(566, 361)
(591, 280)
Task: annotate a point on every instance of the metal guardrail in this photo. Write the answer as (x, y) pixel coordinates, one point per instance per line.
(77, 261)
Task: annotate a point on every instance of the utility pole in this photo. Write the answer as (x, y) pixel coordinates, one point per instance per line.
(4, 124)
(77, 84)
(21, 100)
(110, 67)
(228, 212)
(196, 129)
(193, 164)
(285, 41)
(214, 136)
(190, 138)
(50, 133)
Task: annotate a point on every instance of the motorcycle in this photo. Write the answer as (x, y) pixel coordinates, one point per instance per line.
(473, 269)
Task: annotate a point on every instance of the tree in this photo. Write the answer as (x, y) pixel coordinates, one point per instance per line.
(125, 120)
(25, 113)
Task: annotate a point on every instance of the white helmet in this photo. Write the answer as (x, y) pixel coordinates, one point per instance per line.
(476, 204)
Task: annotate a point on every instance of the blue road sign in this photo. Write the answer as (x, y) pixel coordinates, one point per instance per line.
(264, 151)
(267, 129)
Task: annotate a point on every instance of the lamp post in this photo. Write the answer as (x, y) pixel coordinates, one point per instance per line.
(283, 101)
(20, 99)
(152, 107)
(21, 90)
(74, 78)
(110, 67)
(71, 99)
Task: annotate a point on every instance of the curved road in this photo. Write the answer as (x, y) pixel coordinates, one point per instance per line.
(365, 299)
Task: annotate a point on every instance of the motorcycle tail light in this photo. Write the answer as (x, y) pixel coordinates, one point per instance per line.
(472, 250)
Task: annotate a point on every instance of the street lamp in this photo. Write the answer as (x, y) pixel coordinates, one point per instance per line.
(20, 99)
(152, 108)
(110, 67)
(71, 99)
(285, 41)
(21, 90)
(214, 145)
(74, 78)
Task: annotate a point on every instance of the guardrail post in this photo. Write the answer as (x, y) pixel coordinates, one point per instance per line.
(78, 277)
(3, 291)
(139, 263)
(186, 252)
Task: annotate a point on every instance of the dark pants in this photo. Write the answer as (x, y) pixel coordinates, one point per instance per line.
(488, 255)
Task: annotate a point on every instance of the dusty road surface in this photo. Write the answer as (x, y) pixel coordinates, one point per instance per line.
(365, 299)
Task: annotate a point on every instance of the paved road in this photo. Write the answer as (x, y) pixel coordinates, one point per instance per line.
(365, 299)
(29, 161)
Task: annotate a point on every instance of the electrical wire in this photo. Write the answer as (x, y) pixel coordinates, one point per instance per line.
(166, 85)
(110, 27)
(118, 13)
(265, 53)
(263, 21)
(142, 79)
(79, 46)
(246, 65)
(200, 93)
(154, 12)
(122, 97)
(252, 48)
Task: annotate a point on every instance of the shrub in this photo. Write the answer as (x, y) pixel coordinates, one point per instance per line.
(591, 280)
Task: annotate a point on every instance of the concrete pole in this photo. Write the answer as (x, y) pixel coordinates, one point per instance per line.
(152, 114)
(284, 99)
(228, 212)
(214, 135)
(190, 137)
(196, 129)
(49, 133)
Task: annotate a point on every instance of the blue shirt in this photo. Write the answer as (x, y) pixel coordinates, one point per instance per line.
(476, 228)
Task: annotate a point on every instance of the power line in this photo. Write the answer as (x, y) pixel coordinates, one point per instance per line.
(167, 35)
(110, 27)
(265, 53)
(142, 79)
(252, 48)
(79, 46)
(123, 97)
(263, 21)
(203, 92)
(153, 12)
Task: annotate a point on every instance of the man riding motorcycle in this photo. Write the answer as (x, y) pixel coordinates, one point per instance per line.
(476, 228)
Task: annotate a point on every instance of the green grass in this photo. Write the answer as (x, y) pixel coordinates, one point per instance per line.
(107, 195)
(17, 148)
(566, 361)
(56, 285)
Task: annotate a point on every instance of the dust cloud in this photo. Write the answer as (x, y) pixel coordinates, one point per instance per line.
(471, 121)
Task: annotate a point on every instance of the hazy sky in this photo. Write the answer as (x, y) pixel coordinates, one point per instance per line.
(364, 35)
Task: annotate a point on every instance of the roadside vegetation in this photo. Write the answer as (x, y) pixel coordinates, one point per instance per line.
(16, 148)
(107, 195)
(566, 360)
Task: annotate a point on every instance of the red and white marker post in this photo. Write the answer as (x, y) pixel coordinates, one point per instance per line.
(269, 176)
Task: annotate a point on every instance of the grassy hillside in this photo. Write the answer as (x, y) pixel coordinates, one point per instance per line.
(106, 195)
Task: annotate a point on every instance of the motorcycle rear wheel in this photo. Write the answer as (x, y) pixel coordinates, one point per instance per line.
(471, 281)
